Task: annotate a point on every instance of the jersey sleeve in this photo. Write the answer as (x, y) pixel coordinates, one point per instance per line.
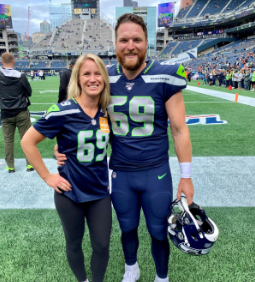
(177, 81)
(52, 123)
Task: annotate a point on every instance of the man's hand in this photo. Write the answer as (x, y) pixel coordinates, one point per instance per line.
(61, 158)
(186, 187)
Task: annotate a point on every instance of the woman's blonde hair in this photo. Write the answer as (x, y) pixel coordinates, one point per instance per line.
(74, 88)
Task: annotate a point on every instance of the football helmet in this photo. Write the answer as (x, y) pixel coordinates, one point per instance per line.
(190, 229)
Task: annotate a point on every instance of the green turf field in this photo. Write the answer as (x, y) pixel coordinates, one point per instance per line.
(32, 242)
(32, 249)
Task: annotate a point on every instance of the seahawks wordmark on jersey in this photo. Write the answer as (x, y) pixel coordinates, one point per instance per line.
(138, 116)
(84, 142)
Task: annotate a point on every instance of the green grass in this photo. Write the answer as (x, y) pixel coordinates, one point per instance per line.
(236, 138)
(32, 248)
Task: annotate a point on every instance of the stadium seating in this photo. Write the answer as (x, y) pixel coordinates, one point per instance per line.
(22, 64)
(185, 46)
(247, 4)
(44, 43)
(60, 64)
(169, 48)
(196, 9)
(39, 64)
(78, 36)
(182, 13)
(215, 7)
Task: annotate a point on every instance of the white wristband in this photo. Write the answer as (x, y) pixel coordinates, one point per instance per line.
(185, 169)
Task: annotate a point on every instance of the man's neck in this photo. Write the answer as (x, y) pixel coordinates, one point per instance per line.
(8, 66)
(131, 74)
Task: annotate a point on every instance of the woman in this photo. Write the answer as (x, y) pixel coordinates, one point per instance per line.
(81, 187)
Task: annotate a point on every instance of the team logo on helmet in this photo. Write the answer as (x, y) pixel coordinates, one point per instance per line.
(189, 228)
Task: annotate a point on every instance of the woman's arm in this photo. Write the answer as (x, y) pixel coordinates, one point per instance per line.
(29, 145)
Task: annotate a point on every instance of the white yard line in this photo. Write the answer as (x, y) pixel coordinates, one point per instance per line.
(223, 95)
(218, 182)
(208, 102)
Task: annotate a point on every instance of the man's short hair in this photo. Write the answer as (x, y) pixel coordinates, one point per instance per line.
(72, 62)
(7, 58)
(131, 18)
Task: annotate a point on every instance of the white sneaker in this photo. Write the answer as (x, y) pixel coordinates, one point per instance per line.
(157, 279)
(132, 273)
(252, 89)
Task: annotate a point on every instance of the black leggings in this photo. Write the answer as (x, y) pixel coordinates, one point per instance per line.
(99, 220)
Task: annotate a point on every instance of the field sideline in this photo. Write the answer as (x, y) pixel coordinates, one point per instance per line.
(223, 141)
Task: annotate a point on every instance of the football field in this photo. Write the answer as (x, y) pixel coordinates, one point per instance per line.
(32, 246)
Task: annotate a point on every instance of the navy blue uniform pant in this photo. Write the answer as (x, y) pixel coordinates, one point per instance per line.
(151, 191)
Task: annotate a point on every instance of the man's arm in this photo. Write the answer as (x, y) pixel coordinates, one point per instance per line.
(180, 132)
(62, 95)
(26, 85)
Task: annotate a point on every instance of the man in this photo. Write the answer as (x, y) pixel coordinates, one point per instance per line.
(32, 75)
(64, 80)
(143, 97)
(14, 92)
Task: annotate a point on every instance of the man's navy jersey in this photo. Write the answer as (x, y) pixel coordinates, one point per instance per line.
(81, 139)
(139, 120)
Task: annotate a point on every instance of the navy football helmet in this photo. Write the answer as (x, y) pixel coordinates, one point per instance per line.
(190, 229)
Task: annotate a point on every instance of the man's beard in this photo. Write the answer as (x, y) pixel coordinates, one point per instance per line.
(131, 66)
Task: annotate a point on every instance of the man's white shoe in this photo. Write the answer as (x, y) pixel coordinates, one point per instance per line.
(157, 279)
(132, 273)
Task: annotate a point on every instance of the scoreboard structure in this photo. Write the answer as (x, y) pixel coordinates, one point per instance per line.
(86, 9)
(83, 4)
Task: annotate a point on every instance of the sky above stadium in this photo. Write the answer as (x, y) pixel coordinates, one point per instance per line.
(39, 11)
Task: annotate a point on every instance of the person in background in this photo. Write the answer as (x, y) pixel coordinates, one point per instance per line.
(81, 186)
(247, 79)
(64, 81)
(252, 77)
(15, 91)
(32, 75)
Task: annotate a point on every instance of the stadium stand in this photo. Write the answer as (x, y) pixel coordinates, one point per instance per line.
(59, 64)
(22, 64)
(39, 64)
(215, 7)
(197, 7)
(182, 13)
(185, 46)
(77, 36)
(169, 48)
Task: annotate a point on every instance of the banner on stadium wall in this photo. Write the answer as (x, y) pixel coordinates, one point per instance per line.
(183, 57)
(5, 16)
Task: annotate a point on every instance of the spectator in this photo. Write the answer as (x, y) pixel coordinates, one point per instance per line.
(14, 92)
(64, 81)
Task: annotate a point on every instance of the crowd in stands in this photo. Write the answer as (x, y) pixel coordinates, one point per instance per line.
(229, 66)
(79, 35)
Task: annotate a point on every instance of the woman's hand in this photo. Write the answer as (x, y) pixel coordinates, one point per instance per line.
(58, 182)
(61, 158)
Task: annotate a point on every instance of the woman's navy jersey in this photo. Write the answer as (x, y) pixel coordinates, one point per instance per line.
(139, 120)
(81, 139)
